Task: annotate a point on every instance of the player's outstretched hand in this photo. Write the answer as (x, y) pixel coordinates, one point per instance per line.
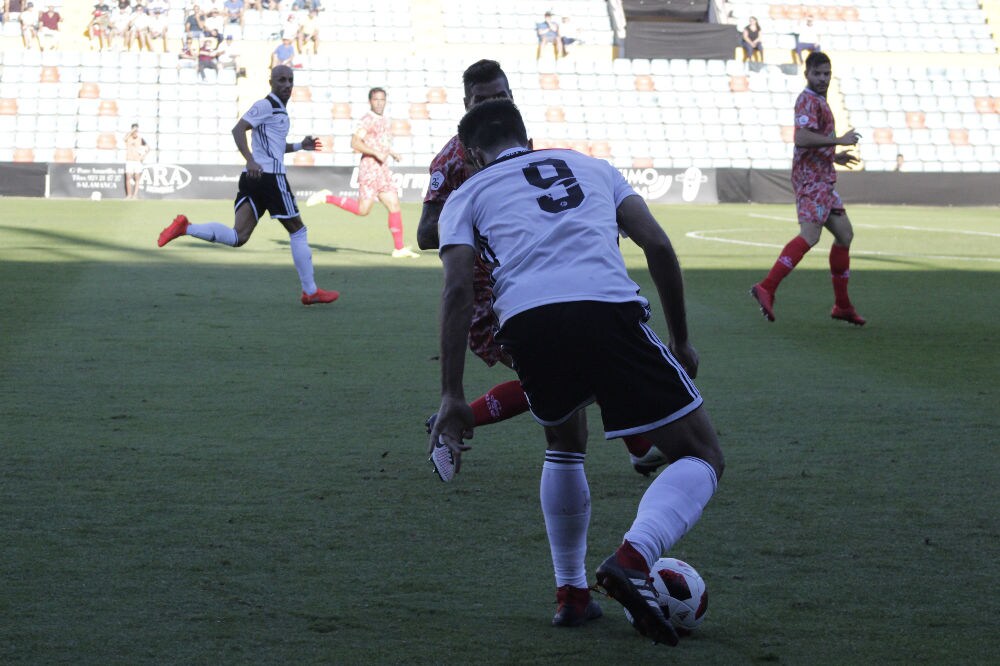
(846, 159)
(453, 425)
(850, 137)
(311, 143)
(687, 356)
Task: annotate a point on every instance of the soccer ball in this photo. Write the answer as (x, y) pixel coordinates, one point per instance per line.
(682, 592)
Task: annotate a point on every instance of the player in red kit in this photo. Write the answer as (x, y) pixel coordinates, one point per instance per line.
(817, 202)
(373, 139)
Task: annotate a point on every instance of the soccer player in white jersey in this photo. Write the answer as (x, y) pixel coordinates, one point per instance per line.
(548, 222)
(263, 186)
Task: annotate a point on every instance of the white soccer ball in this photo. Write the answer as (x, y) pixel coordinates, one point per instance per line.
(682, 592)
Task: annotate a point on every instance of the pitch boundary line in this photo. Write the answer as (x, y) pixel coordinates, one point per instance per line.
(890, 226)
(701, 235)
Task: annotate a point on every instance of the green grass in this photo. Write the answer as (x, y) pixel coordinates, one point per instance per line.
(194, 468)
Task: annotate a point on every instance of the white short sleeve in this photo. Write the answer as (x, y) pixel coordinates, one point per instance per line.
(258, 113)
(455, 226)
(622, 190)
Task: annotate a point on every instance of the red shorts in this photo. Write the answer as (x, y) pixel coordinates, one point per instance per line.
(815, 201)
(373, 179)
(484, 321)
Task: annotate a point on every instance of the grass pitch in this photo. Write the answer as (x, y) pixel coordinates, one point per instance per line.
(195, 468)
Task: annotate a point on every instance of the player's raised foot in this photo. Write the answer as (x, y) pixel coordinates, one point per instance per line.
(765, 299)
(649, 463)
(634, 590)
(320, 296)
(443, 460)
(575, 607)
(404, 253)
(850, 315)
(317, 198)
(175, 229)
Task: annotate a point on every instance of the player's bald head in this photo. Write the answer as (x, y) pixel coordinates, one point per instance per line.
(280, 71)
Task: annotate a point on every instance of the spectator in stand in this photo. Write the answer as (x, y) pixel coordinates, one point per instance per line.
(215, 23)
(752, 41)
(194, 23)
(29, 26)
(307, 5)
(188, 57)
(99, 28)
(235, 10)
(900, 160)
(119, 25)
(806, 39)
(309, 33)
(548, 33)
(208, 56)
(290, 30)
(228, 57)
(566, 37)
(284, 54)
(139, 27)
(261, 5)
(48, 29)
(157, 23)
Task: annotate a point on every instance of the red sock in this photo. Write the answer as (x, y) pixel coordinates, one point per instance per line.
(790, 256)
(629, 557)
(637, 445)
(347, 203)
(501, 402)
(396, 229)
(840, 273)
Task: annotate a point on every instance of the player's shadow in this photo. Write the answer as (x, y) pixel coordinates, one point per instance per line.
(320, 247)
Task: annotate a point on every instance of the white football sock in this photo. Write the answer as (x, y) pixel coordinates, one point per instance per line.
(213, 232)
(671, 506)
(565, 499)
(302, 256)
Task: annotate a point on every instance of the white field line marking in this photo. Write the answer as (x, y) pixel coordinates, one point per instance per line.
(880, 226)
(703, 235)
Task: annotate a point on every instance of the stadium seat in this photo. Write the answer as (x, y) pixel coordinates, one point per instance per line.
(915, 120)
(882, 135)
(64, 156)
(107, 141)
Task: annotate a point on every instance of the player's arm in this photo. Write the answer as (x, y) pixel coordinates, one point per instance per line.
(639, 224)
(358, 144)
(807, 138)
(427, 228)
(240, 137)
(454, 420)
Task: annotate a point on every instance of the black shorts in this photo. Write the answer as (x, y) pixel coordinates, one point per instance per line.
(568, 355)
(270, 193)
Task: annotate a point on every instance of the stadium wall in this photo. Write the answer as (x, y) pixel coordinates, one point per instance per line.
(669, 186)
(865, 187)
(22, 180)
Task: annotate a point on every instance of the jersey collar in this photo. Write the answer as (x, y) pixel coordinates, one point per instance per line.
(277, 99)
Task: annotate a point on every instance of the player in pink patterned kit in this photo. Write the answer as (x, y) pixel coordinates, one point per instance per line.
(373, 139)
(816, 200)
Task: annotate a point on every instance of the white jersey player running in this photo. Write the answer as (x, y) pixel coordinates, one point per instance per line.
(263, 186)
(575, 326)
